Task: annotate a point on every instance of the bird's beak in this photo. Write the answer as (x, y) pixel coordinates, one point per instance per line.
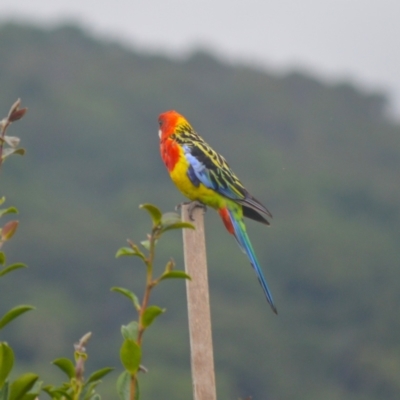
(159, 133)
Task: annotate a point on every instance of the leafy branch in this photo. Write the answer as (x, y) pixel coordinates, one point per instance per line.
(9, 144)
(77, 388)
(26, 386)
(131, 349)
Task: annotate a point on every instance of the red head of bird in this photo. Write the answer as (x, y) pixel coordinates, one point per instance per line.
(168, 122)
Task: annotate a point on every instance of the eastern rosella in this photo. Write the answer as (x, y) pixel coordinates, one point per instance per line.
(203, 175)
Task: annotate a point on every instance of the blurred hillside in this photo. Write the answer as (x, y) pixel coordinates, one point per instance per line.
(323, 158)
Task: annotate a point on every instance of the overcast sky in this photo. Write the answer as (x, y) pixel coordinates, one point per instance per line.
(336, 39)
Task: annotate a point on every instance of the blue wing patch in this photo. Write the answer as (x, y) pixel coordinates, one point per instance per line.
(197, 171)
(193, 177)
(203, 170)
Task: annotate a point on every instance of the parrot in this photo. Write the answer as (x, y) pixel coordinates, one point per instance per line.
(206, 179)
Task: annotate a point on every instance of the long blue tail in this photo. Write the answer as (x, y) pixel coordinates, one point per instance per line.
(245, 244)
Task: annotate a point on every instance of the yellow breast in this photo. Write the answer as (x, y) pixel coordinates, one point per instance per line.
(201, 193)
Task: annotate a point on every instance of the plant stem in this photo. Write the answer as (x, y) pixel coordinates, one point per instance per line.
(149, 286)
(146, 297)
(133, 387)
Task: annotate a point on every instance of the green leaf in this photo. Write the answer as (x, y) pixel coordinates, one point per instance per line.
(9, 210)
(170, 266)
(130, 355)
(123, 385)
(89, 390)
(130, 295)
(20, 151)
(66, 365)
(6, 362)
(175, 275)
(2, 259)
(150, 314)
(58, 393)
(48, 389)
(11, 267)
(14, 313)
(97, 375)
(178, 225)
(172, 220)
(2, 200)
(137, 393)
(9, 151)
(127, 251)
(4, 392)
(35, 391)
(154, 212)
(64, 393)
(130, 331)
(22, 385)
(145, 244)
(30, 396)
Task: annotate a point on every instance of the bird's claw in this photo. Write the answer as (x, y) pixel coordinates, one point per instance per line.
(179, 206)
(192, 205)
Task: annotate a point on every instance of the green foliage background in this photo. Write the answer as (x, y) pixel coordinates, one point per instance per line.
(325, 160)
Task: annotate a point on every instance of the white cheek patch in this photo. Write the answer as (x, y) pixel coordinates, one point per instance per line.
(159, 133)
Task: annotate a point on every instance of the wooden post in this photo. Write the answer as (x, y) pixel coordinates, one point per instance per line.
(201, 348)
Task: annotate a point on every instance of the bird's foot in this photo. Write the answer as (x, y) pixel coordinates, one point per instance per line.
(192, 206)
(179, 206)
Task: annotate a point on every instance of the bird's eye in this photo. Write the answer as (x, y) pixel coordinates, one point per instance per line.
(160, 122)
